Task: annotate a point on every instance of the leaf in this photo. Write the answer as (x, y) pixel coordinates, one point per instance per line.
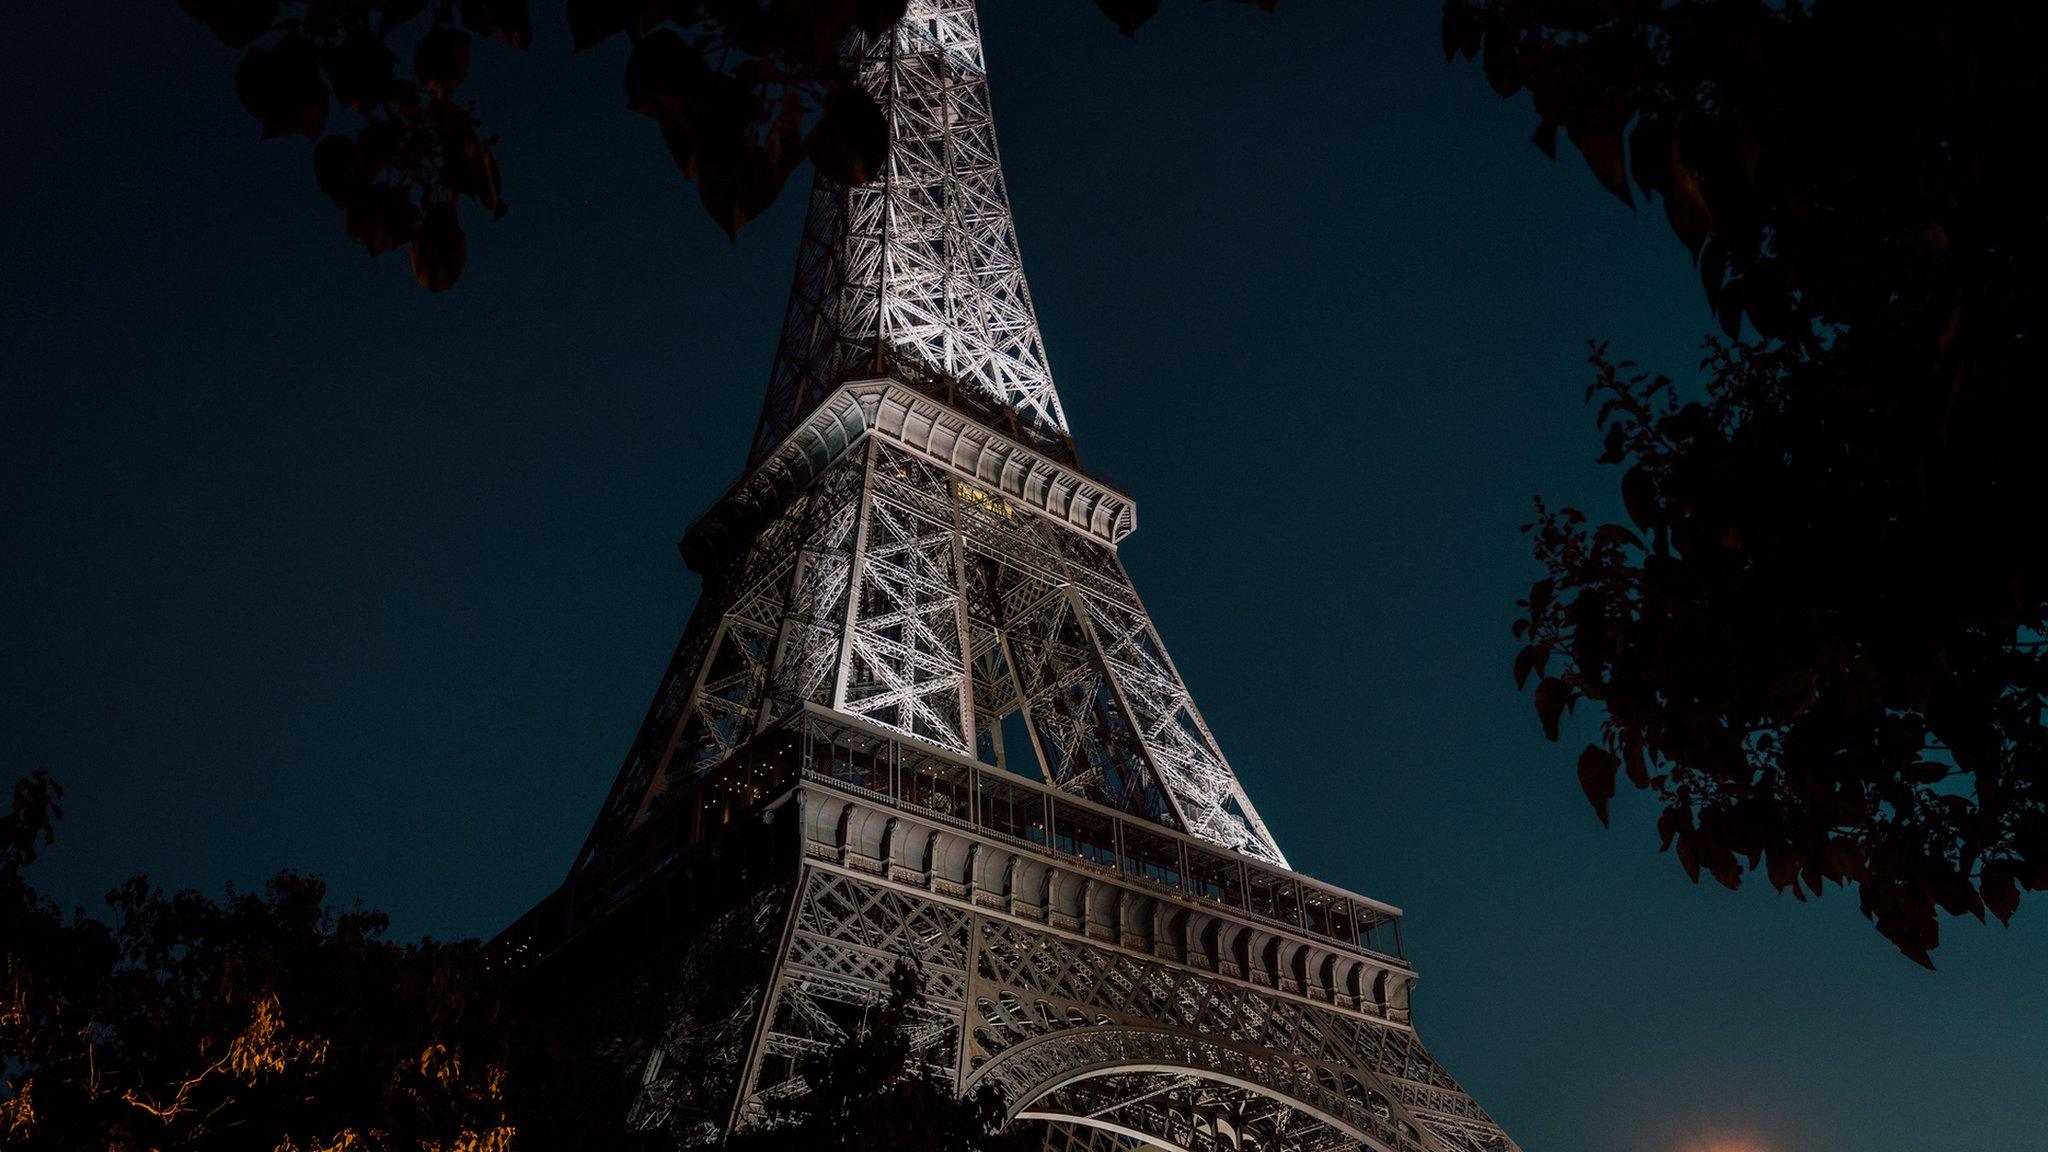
(511, 23)
(682, 146)
(1596, 776)
(502, 19)
(338, 167)
(592, 22)
(1713, 270)
(875, 17)
(393, 13)
(1729, 308)
(476, 16)
(2001, 893)
(441, 60)
(1499, 58)
(1128, 14)
(1551, 697)
(1597, 135)
(380, 217)
(475, 175)
(1649, 153)
(1783, 869)
(236, 22)
(1539, 596)
(439, 249)
(1686, 849)
(1615, 450)
(1464, 29)
(1685, 205)
(734, 190)
(1616, 535)
(361, 69)
(34, 817)
(1955, 896)
(851, 140)
(1639, 497)
(1529, 659)
(666, 79)
(1633, 762)
(380, 143)
(282, 89)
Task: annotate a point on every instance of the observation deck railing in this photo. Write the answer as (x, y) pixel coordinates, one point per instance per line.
(895, 771)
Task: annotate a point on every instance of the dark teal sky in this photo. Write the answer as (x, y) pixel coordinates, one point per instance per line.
(306, 568)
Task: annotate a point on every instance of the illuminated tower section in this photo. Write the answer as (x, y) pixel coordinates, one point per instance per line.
(920, 712)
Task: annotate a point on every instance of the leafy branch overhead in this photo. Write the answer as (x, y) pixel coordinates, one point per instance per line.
(743, 91)
(1821, 637)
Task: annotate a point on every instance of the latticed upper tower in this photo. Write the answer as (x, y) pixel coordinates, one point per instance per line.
(970, 572)
(919, 713)
(921, 263)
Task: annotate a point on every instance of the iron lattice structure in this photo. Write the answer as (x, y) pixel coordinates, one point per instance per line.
(924, 259)
(919, 711)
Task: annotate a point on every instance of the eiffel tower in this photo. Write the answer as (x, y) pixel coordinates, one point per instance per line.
(920, 712)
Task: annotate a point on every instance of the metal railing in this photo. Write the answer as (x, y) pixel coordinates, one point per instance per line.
(896, 771)
(883, 764)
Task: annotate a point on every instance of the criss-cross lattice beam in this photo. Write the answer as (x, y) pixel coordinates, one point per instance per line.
(923, 260)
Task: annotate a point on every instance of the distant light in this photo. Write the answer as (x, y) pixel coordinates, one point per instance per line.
(1723, 1144)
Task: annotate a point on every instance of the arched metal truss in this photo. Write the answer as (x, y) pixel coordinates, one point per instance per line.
(1077, 1030)
(1189, 1111)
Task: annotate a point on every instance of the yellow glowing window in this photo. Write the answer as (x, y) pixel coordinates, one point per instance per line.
(980, 499)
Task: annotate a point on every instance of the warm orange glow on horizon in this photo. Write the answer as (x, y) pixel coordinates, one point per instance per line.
(1722, 1142)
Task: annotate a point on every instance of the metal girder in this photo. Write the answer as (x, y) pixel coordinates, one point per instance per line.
(900, 592)
(923, 260)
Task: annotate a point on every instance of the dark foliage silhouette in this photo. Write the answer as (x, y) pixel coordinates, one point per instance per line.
(266, 1021)
(1819, 639)
(273, 1022)
(743, 91)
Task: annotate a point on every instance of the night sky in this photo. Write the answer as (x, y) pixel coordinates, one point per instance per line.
(305, 568)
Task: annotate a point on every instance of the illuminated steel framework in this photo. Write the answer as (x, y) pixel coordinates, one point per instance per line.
(916, 639)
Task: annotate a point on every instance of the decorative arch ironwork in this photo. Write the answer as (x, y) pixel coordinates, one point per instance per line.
(1086, 1075)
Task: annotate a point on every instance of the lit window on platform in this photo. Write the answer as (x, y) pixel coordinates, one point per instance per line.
(983, 500)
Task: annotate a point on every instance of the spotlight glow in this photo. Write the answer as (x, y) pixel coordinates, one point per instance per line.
(1723, 1142)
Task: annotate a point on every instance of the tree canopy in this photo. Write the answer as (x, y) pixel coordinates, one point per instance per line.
(743, 91)
(267, 1022)
(1819, 637)
(274, 1022)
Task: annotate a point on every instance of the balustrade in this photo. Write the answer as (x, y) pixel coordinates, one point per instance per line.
(892, 770)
